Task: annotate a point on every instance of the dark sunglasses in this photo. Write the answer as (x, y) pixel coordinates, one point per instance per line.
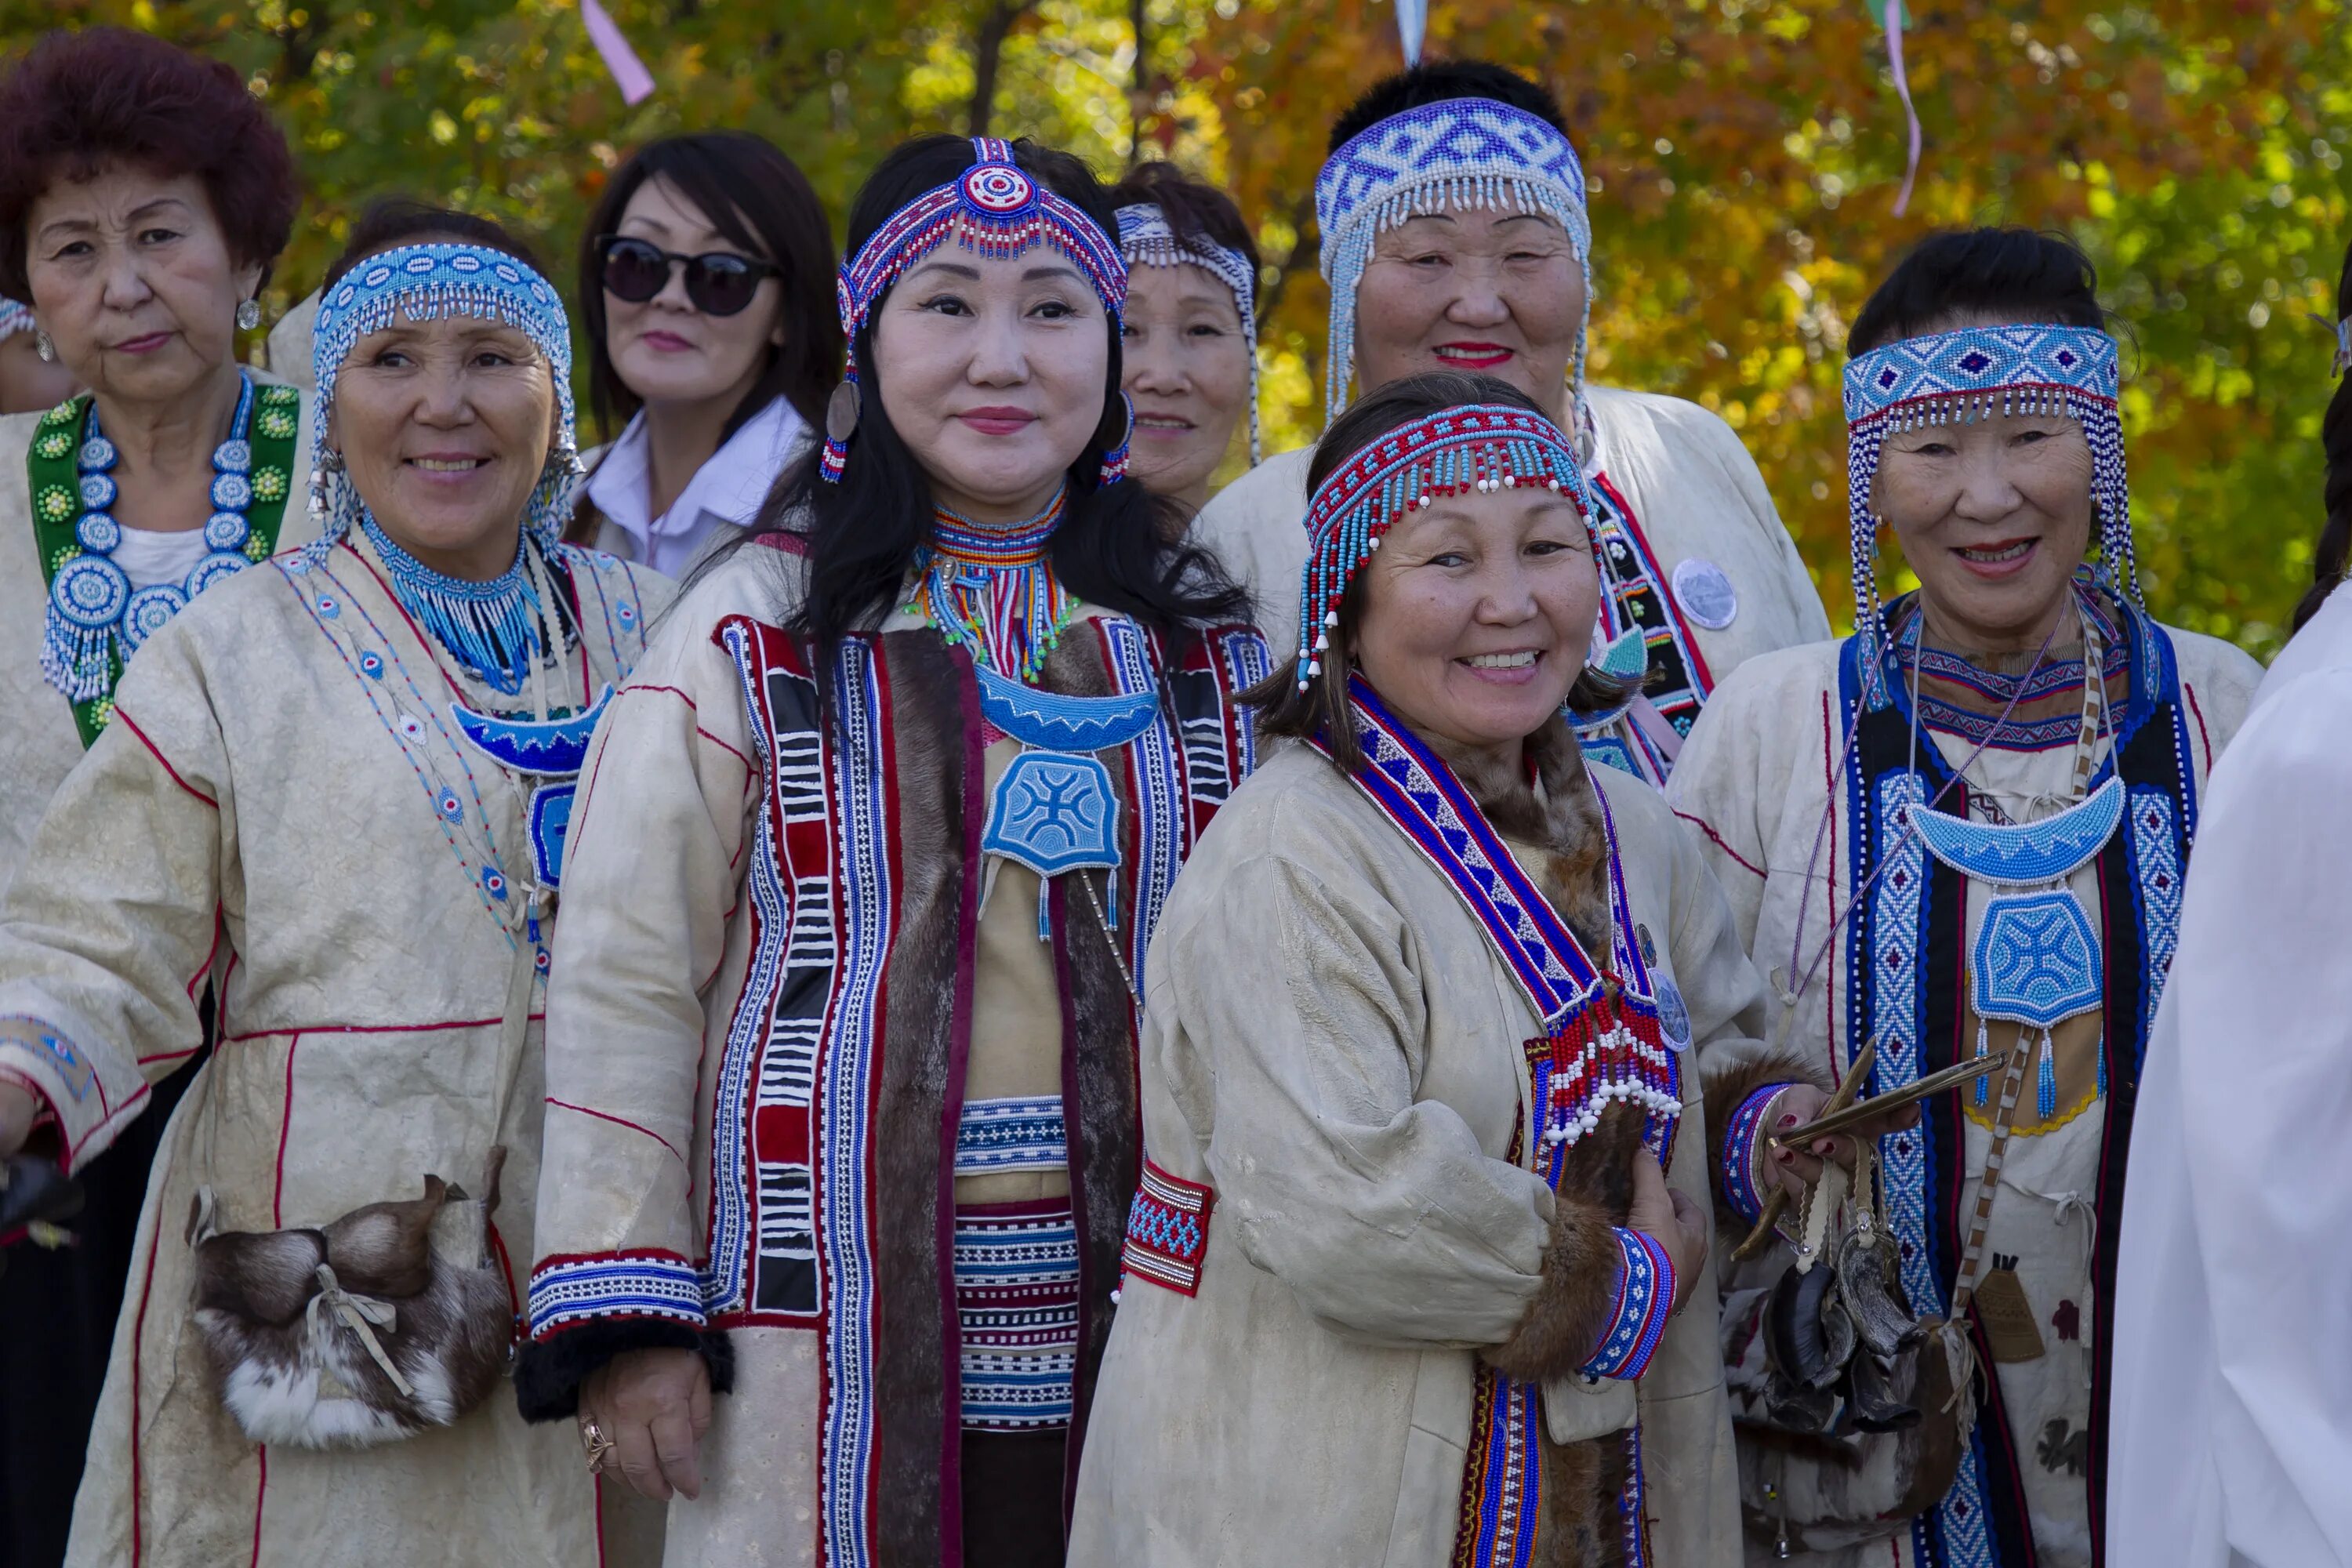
(719, 283)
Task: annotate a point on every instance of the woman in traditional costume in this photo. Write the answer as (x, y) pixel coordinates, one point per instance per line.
(1455, 236)
(1191, 344)
(1399, 1278)
(843, 1081)
(1946, 842)
(338, 783)
(706, 292)
(143, 195)
(2233, 1386)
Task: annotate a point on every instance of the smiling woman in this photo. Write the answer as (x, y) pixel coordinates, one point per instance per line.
(843, 1075)
(1411, 1064)
(1995, 782)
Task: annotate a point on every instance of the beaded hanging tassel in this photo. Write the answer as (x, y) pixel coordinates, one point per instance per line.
(492, 628)
(993, 591)
(1479, 447)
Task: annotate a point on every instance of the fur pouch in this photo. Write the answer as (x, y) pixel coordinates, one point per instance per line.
(390, 1320)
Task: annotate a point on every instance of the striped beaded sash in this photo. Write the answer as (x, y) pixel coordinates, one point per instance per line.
(1601, 1042)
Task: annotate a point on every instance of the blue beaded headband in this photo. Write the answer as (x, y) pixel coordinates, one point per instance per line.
(427, 283)
(1458, 152)
(995, 208)
(1146, 239)
(15, 318)
(1975, 373)
(1479, 447)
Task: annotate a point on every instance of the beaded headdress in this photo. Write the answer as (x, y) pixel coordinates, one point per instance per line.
(1458, 152)
(1146, 239)
(15, 317)
(427, 283)
(1975, 373)
(995, 208)
(1481, 446)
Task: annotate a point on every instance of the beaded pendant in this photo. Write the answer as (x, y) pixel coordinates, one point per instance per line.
(992, 591)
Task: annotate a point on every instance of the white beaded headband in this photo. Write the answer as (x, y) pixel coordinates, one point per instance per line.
(1460, 152)
(1146, 239)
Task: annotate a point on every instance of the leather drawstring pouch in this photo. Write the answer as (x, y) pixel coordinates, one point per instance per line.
(394, 1319)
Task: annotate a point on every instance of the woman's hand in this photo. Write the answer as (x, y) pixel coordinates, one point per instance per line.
(1799, 1169)
(655, 1405)
(18, 1106)
(1679, 1226)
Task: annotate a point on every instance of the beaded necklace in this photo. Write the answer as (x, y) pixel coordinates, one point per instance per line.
(96, 619)
(492, 628)
(990, 589)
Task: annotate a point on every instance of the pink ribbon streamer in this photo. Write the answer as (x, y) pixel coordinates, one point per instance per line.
(629, 73)
(1902, 89)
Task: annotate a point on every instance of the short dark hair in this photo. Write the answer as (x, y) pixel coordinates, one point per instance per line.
(1322, 708)
(2016, 274)
(1194, 208)
(390, 222)
(759, 199)
(81, 100)
(1438, 81)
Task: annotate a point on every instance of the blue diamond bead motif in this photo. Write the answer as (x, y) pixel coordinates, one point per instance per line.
(1054, 812)
(2036, 960)
(372, 664)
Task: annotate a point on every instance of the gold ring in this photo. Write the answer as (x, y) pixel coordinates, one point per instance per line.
(592, 1436)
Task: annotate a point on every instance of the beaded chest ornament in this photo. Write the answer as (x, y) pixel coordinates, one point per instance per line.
(1146, 239)
(1957, 378)
(997, 210)
(428, 283)
(1460, 153)
(1478, 448)
(96, 619)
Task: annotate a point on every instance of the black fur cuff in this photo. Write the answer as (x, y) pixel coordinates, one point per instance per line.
(548, 1372)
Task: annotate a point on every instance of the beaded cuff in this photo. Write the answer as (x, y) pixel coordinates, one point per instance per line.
(1168, 1231)
(652, 1283)
(1741, 1135)
(1645, 1298)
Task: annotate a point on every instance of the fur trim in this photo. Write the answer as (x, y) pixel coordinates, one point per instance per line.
(548, 1372)
(1725, 1092)
(1571, 1308)
(1564, 820)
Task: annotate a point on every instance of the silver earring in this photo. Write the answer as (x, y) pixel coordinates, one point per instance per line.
(43, 347)
(249, 315)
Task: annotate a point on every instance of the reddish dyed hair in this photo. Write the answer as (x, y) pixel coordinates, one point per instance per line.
(82, 101)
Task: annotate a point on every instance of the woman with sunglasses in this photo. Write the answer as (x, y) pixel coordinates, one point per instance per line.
(706, 282)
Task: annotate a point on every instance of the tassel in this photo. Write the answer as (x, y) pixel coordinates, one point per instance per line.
(2046, 1082)
(1045, 908)
(1110, 899)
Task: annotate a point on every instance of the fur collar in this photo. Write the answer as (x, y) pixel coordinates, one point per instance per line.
(1551, 804)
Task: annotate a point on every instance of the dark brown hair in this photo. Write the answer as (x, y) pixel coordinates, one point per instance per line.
(757, 197)
(1194, 208)
(2333, 552)
(1322, 708)
(82, 101)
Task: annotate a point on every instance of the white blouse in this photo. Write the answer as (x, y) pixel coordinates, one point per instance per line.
(725, 492)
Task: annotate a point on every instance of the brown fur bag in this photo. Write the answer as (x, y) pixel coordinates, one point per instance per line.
(390, 1320)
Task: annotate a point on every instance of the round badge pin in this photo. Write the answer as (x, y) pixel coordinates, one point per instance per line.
(1705, 594)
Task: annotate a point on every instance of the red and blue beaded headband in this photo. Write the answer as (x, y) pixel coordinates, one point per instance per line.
(993, 207)
(1481, 446)
(1977, 372)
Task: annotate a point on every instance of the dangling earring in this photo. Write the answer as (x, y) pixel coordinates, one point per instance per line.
(841, 411)
(1114, 463)
(249, 315)
(43, 347)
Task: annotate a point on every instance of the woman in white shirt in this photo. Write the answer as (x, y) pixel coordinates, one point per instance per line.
(705, 286)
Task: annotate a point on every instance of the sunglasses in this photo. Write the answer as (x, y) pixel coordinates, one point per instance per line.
(720, 283)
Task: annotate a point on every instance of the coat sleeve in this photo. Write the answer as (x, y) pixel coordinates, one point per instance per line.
(653, 872)
(108, 929)
(1300, 1029)
(2233, 1280)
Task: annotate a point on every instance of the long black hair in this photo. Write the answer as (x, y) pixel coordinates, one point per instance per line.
(2333, 552)
(749, 191)
(1118, 547)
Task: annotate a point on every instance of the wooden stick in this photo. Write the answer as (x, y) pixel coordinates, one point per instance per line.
(1769, 1222)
